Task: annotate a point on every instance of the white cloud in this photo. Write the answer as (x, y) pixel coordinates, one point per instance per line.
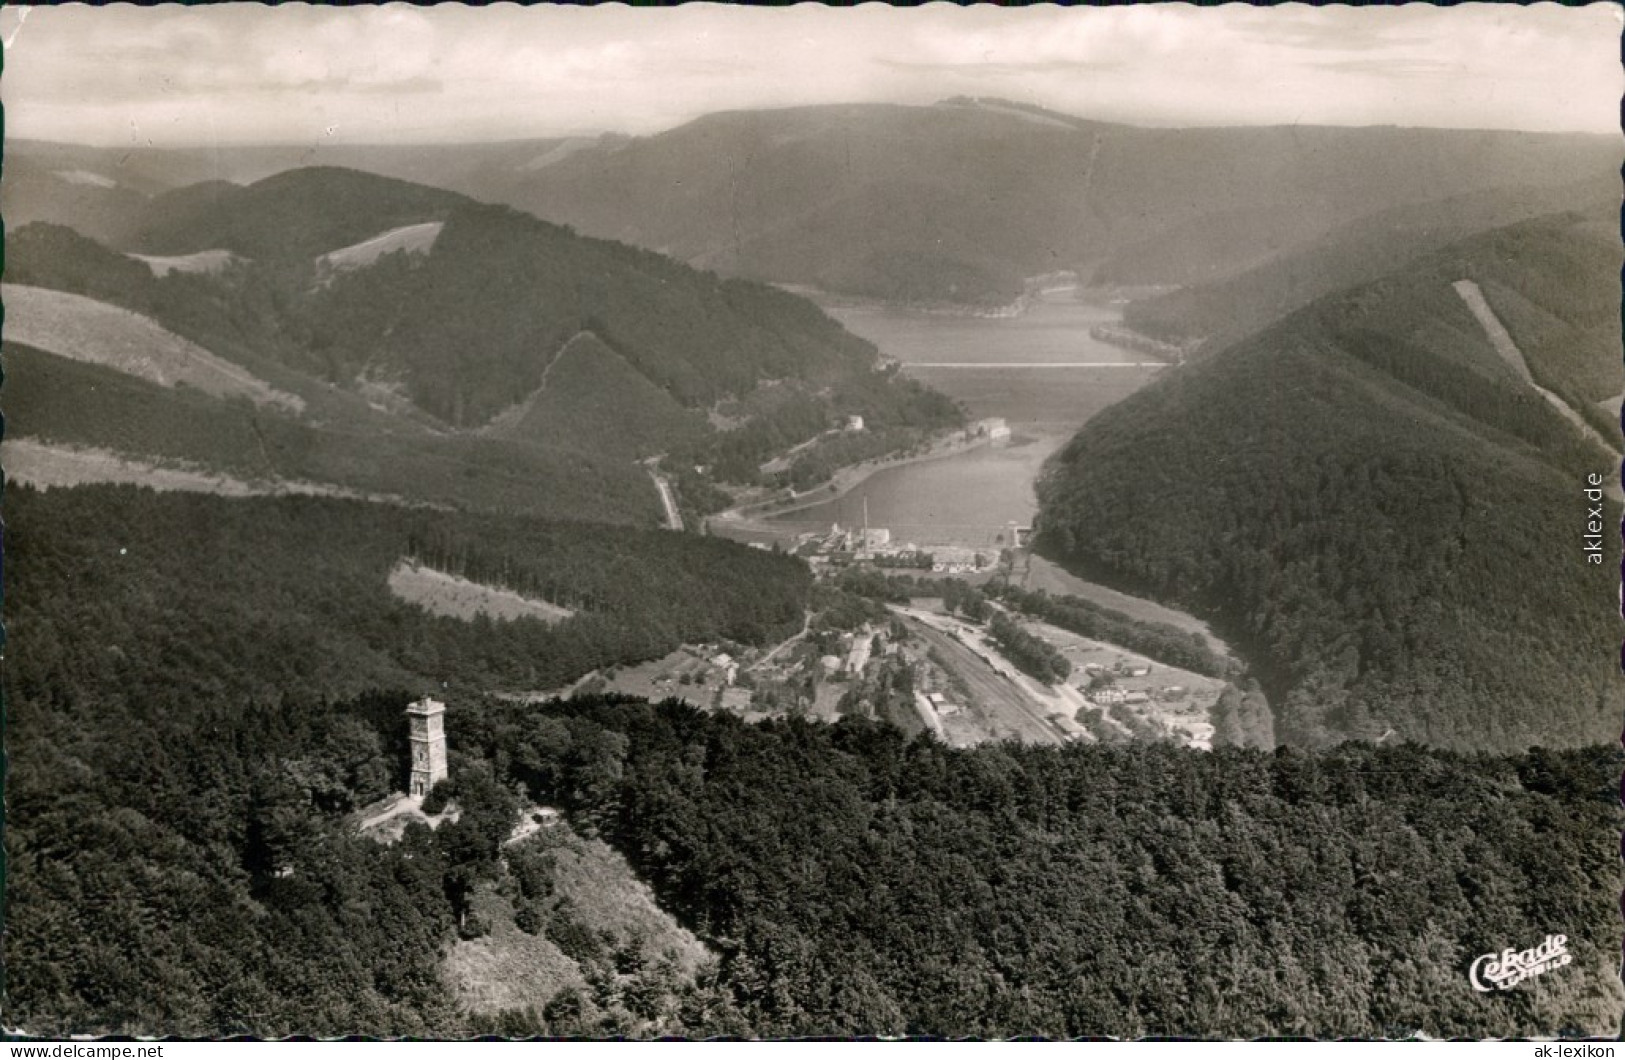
(251, 72)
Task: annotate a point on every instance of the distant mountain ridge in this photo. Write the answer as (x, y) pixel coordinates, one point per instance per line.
(956, 202)
(960, 202)
(1216, 314)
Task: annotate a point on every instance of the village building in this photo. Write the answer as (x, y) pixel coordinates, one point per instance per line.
(728, 665)
(876, 537)
(995, 429)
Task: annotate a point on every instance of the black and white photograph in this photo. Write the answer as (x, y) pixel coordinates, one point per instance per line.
(729, 522)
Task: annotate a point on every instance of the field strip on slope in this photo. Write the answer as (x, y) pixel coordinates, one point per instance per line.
(203, 261)
(414, 239)
(46, 466)
(674, 517)
(84, 329)
(1503, 342)
(453, 596)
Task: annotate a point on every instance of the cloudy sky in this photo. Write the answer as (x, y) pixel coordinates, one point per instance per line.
(246, 72)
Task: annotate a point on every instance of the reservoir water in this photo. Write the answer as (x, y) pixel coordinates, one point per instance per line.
(1041, 371)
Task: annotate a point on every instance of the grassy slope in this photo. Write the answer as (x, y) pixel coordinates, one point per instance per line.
(53, 399)
(510, 969)
(88, 330)
(450, 596)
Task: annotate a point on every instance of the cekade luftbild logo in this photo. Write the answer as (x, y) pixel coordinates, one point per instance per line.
(1505, 970)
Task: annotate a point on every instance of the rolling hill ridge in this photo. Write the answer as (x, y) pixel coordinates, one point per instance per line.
(1214, 315)
(957, 202)
(395, 309)
(961, 201)
(1347, 492)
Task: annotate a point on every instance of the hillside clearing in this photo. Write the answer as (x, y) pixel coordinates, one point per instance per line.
(85, 177)
(83, 329)
(413, 239)
(451, 596)
(206, 262)
(1044, 575)
(46, 466)
(1504, 345)
(588, 393)
(385, 821)
(594, 887)
(559, 152)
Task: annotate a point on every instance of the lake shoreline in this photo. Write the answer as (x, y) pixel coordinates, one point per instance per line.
(1042, 372)
(756, 516)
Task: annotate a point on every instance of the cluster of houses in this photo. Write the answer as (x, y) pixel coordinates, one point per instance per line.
(1110, 694)
(860, 647)
(841, 546)
(1105, 697)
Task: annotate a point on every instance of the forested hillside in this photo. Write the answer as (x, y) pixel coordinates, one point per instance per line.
(63, 403)
(307, 604)
(1220, 313)
(186, 749)
(46, 185)
(963, 200)
(297, 214)
(861, 883)
(472, 326)
(501, 323)
(190, 714)
(854, 882)
(100, 191)
(1377, 507)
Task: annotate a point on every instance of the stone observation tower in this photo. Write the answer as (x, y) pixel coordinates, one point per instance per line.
(428, 745)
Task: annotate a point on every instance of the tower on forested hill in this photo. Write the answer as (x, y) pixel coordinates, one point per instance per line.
(428, 745)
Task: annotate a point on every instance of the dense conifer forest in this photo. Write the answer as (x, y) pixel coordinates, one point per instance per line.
(198, 696)
(254, 597)
(1375, 508)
